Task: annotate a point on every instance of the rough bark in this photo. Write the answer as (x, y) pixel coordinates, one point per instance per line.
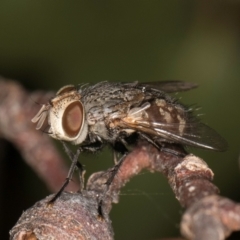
(76, 215)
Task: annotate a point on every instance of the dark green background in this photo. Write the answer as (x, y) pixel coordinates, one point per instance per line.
(48, 44)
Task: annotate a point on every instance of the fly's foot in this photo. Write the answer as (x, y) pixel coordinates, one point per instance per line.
(58, 194)
(112, 174)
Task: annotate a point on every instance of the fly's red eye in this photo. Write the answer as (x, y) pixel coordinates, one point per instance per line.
(72, 119)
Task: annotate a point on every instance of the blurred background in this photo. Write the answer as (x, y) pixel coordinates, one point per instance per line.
(48, 44)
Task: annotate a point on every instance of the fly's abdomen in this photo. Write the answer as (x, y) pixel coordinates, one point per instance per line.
(168, 116)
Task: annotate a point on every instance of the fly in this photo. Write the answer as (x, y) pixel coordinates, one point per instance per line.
(112, 113)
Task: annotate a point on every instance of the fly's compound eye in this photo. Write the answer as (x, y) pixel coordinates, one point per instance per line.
(65, 116)
(67, 121)
(72, 119)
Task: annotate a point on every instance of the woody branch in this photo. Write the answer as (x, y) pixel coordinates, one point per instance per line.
(207, 216)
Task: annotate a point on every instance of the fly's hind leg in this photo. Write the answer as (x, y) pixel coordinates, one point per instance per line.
(166, 147)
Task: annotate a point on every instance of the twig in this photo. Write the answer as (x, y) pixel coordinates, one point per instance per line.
(75, 216)
(189, 177)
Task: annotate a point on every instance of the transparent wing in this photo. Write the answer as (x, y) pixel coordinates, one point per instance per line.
(172, 123)
(195, 134)
(170, 86)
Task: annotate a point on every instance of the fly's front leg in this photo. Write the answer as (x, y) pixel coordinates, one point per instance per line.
(78, 164)
(90, 147)
(69, 177)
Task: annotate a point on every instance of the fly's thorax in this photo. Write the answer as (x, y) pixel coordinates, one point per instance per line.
(65, 115)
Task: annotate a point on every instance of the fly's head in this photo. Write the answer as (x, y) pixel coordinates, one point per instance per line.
(64, 116)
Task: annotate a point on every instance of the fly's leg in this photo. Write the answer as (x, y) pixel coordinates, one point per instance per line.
(108, 183)
(118, 147)
(173, 152)
(78, 164)
(115, 157)
(164, 147)
(92, 147)
(69, 177)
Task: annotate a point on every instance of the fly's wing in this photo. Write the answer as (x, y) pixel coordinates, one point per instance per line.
(170, 86)
(165, 122)
(196, 134)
